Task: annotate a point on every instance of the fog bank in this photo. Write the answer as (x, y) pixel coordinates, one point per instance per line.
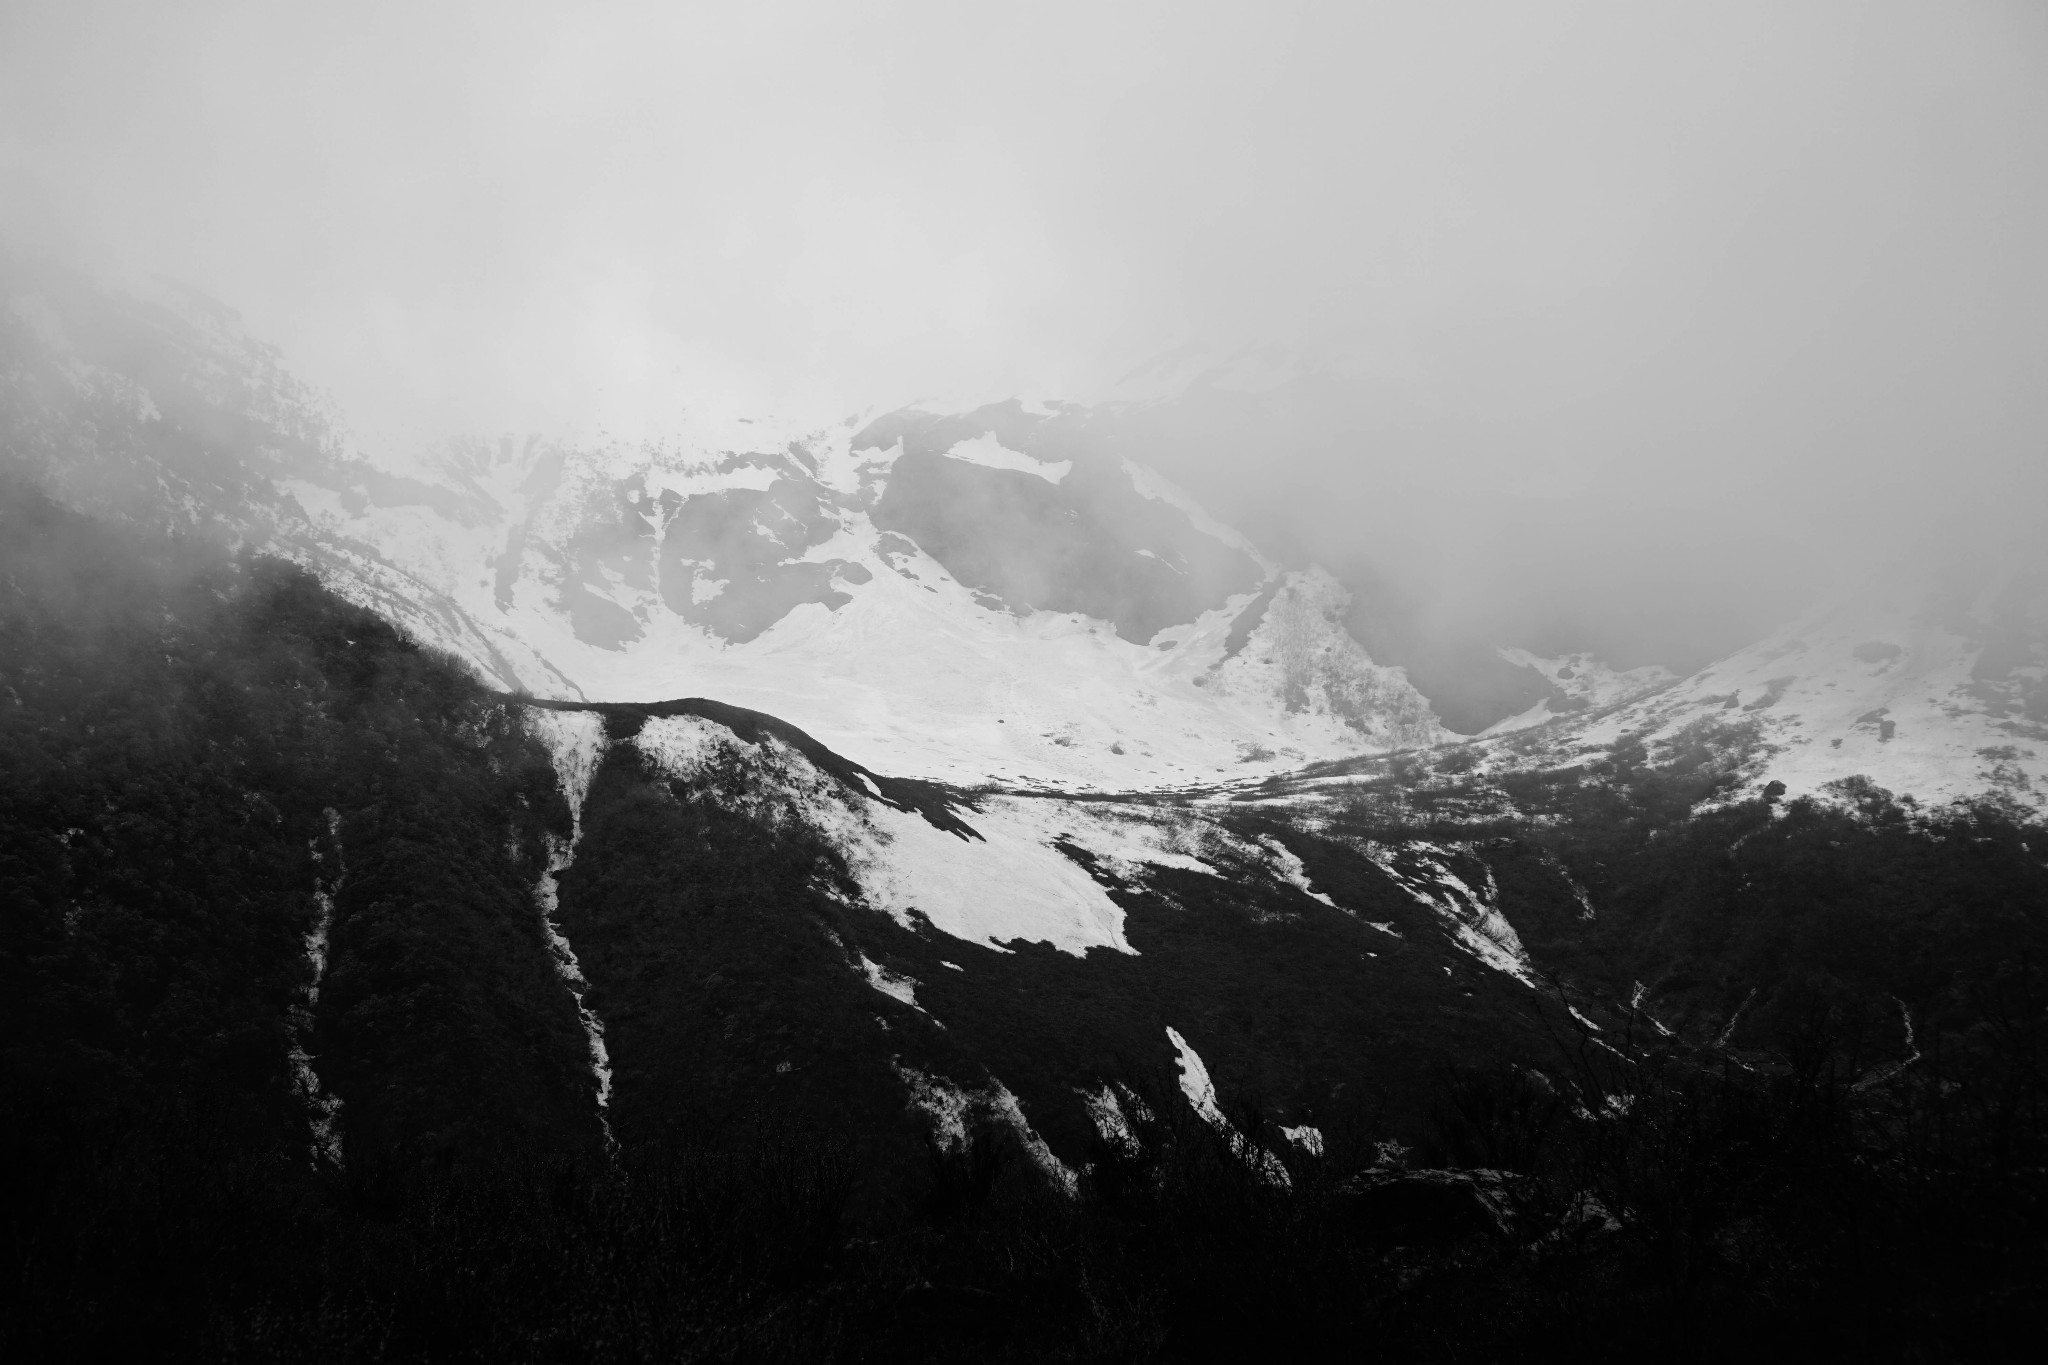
(1601, 325)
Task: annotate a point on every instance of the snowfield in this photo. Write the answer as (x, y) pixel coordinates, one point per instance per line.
(1017, 868)
(898, 666)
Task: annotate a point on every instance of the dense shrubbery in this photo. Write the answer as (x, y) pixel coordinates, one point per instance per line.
(1690, 1213)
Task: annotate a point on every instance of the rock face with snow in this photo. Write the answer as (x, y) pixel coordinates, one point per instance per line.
(760, 920)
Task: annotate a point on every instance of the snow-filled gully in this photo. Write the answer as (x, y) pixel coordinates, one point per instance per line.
(1473, 915)
(1201, 1095)
(323, 1111)
(575, 739)
(951, 1110)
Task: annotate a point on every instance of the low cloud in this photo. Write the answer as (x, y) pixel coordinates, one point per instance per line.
(1609, 325)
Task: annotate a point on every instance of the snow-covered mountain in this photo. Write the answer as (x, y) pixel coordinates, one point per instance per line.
(995, 595)
(984, 596)
(1939, 693)
(935, 594)
(941, 783)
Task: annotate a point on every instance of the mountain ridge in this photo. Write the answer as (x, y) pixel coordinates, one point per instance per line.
(904, 584)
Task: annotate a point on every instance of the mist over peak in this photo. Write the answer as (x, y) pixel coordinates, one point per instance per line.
(1594, 330)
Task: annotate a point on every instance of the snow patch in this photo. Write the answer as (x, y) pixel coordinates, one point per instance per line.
(1289, 868)
(1635, 1004)
(1150, 483)
(1008, 884)
(891, 984)
(576, 741)
(1309, 1139)
(323, 1111)
(986, 451)
(952, 1108)
(1201, 1095)
(1106, 1111)
(1473, 915)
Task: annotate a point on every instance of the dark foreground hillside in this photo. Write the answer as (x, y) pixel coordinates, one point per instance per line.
(191, 749)
(1712, 1215)
(1822, 1136)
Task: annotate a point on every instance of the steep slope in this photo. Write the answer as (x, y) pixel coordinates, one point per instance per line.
(262, 857)
(768, 926)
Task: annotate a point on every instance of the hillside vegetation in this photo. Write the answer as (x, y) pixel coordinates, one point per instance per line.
(1818, 1128)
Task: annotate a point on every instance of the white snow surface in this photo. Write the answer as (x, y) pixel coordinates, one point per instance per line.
(1012, 883)
(1201, 1095)
(576, 741)
(987, 451)
(1472, 914)
(1291, 871)
(895, 986)
(1195, 1082)
(1008, 885)
(1893, 685)
(912, 673)
(1306, 1137)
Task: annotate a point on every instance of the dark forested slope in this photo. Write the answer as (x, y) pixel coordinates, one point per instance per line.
(1778, 1081)
(191, 748)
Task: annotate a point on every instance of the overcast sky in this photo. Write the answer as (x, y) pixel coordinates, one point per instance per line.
(1727, 284)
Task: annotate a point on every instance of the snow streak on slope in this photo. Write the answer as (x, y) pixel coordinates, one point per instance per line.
(1152, 484)
(892, 984)
(1201, 1095)
(952, 1108)
(1424, 870)
(988, 452)
(1106, 1110)
(576, 741)
(323, 1111)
